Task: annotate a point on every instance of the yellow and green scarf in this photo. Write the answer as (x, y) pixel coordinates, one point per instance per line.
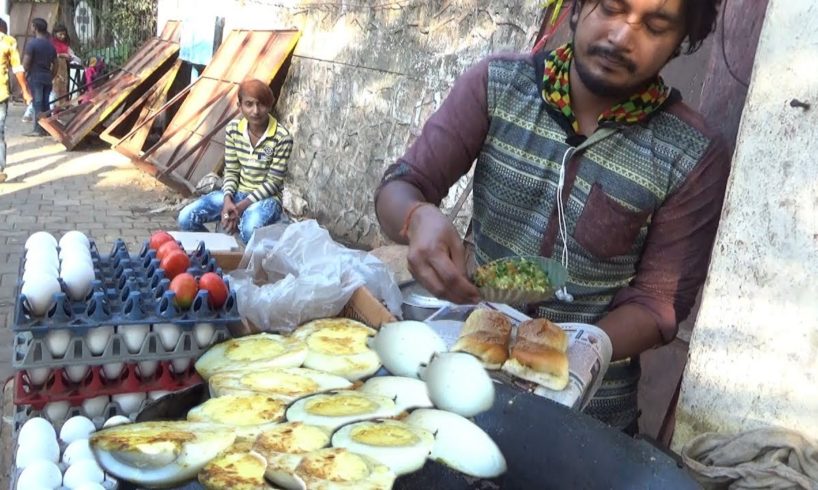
(557, 93)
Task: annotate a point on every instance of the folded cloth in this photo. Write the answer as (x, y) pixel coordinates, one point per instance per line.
(764, 458)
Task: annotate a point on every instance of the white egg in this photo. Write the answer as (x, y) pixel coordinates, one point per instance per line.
(77, 451)
(75, 236)
(116, 420)
(38, 376)
(155, 395)
(40, 474)
(404, 346)
(112, 370)
(78, 279)
(406, 392)
(75, 255)
(42, 255)
(179, 366)
(134, 336)
(76, 428)
(77, 373)
(146, 369)
(31, 274)
(57, 411)
(90, 486)
(95, 407)
(84, 471)
(97, 339)
(457, 382)
(459, 443)
(57, 341)
(41, 238)
(43, 450)
(33, 266)
(168, 334)
(129, 402)
(36, 429)
(203, 333)
(39, 291)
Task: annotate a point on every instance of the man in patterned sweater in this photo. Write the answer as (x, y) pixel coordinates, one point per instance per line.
(256, 152)
(584, 155)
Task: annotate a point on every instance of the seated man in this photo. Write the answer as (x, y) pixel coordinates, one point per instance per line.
(256, 151)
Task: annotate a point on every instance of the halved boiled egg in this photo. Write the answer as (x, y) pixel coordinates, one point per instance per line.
(283, 383)
(155, 454)
(238, 467)
(284, 445)
(405, 346)
(459, 383)
(336, 408)
(405, 392)
(339, 346)
(258, 352)
(459, 443)
(338, 468)
(250, 413)
(400, 446)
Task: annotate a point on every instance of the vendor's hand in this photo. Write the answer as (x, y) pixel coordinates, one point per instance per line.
(230, 216)
(437, 258)
(242, 206)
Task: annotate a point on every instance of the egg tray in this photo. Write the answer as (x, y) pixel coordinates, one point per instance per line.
(32, 352)
(58, 387)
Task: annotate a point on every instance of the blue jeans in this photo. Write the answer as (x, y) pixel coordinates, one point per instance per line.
(208, 209)
(41, 93)
(4, 110)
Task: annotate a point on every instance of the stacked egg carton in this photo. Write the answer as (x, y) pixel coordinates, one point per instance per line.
(108, 348)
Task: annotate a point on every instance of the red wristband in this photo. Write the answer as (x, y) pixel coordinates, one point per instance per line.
(404, 231)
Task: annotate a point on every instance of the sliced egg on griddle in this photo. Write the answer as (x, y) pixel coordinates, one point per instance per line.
(339, 346)
(239, 467)
(248, 413)
(258, 352)
(283, 383)
(400, 446)
(284, 445)
(336, 408)
(154, 454)
(338, 468)
(459, 443)
(406, 392)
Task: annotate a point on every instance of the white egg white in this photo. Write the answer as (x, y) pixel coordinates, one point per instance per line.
(339, 346)
(253, 352)
(459, 383)
(400, 446)
(336, 408)
(459, 443)
(406, 392)
(405, 346)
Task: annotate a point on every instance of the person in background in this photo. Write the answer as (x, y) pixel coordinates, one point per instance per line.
(584, 155)
(256, 152)
(65, 55)
(9, 62)
(39, 62)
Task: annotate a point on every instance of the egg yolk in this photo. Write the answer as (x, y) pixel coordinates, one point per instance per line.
(283, 383)
(383, 435)
(340, 406)
(254, 349)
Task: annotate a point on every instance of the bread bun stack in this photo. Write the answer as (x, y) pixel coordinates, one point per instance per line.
(486, 335)
(538, 354)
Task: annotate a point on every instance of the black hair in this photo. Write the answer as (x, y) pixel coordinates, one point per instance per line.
(40, 25)
(4, 28)
(699, 18)
(59, 28)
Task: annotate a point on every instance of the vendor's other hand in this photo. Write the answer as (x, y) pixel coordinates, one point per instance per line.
(437, 258)
(230, 216)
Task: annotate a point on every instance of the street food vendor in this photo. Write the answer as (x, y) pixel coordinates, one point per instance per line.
(586, 156)
(256, 151)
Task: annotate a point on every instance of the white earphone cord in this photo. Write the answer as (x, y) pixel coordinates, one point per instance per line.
(563, 294)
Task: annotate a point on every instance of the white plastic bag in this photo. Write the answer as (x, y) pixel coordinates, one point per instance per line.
(295, 273)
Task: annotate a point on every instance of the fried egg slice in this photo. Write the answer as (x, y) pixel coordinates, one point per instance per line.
(339, 346)
(239, 467)
(283, 383)
(336, 408)
(284, 445)
(250, 414)
(253, 352)
(338, 468)
(400, 446)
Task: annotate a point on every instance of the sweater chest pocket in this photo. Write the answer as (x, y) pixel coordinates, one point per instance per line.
(606, 228)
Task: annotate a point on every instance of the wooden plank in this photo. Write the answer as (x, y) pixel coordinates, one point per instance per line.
(6, 434)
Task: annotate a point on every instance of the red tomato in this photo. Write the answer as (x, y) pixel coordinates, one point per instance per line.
(217, 292)
(184, 285)
(158, 238)
(167, 248)
(175, 263)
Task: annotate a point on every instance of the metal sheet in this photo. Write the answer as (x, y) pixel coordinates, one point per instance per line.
(193, 143)
(143, 70)
(120, 132)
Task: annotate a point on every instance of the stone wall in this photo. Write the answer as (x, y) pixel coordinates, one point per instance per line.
(365, 76)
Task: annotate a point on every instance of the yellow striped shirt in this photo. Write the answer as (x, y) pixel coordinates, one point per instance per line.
(9, 58)
(257, 170)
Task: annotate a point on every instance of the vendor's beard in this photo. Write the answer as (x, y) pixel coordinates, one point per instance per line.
(599, 86)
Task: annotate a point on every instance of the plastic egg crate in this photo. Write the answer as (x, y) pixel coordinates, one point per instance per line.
(106, 380)
(126, 290)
